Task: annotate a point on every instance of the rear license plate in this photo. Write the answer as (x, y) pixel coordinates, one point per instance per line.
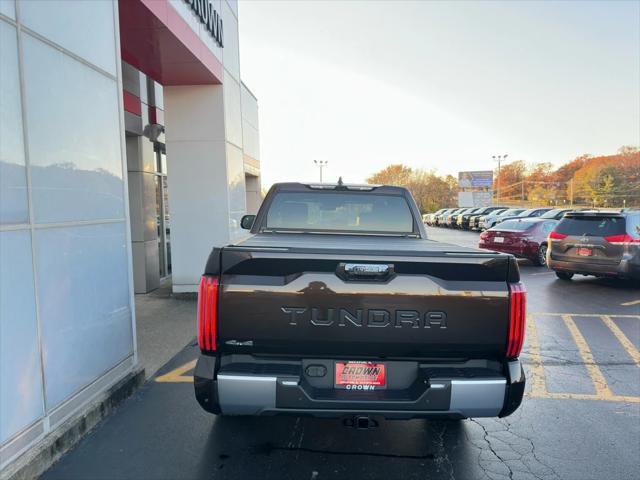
(363, 376)
(585, 252)
(498, 239)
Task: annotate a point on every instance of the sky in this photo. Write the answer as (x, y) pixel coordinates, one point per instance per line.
(438, 85)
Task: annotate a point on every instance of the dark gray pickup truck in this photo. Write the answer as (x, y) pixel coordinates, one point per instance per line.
(338, 305)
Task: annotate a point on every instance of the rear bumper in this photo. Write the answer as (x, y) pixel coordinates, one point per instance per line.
(240, 388)
(624, 269)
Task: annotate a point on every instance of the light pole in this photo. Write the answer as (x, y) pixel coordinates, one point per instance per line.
(499, 159)
(320, 164)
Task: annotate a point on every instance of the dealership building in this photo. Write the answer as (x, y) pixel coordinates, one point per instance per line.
(128, 148)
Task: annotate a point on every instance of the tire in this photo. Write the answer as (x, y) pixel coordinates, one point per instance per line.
(541, 256)
(564, 275)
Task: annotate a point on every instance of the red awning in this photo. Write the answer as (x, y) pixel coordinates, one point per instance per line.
(156, 40)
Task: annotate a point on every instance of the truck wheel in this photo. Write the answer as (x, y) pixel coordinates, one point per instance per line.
(564, 275)
(541, 256)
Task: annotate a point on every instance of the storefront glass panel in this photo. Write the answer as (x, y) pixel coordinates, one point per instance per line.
(13, 178)
(74, 138)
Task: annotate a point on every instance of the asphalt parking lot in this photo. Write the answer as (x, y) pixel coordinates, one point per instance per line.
(580, 418)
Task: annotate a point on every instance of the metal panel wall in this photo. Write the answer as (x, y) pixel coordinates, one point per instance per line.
(67, 327)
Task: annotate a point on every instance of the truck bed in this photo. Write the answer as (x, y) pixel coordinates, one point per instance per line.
(390, 245)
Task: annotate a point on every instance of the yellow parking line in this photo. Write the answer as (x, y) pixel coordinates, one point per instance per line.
(622, 338)
(585, 396)
(177, 375)
(599, 382)
(538, 382)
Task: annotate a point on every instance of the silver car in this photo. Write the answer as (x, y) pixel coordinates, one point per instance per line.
(491, 219)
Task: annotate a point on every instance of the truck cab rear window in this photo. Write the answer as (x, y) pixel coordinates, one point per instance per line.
(592, 225)
(340, 212)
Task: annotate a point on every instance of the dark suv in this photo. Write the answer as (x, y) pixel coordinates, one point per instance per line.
(604, 244)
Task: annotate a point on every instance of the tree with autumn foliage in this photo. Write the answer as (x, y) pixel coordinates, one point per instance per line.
(605, 181)
(609, 181)
(509, 179)
(430, 190)
(396, 174)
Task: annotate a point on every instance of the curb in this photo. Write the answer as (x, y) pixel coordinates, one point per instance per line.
(51, 448)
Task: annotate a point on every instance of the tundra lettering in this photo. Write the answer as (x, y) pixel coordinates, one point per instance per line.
(374, 318)
(293, 311)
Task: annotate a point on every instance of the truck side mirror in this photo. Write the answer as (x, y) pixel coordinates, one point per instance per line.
(247, 221)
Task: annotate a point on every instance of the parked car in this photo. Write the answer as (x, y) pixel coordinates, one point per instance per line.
(596, 243)
(338, 306)
(456, 216)
(491, 219)
(448, 218)
(531, 212)
(557, 213)
(431, 217)
(522, 237)
(471, 219)
(462, 219)
(440, 218)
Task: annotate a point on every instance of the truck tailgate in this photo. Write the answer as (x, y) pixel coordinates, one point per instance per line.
(434, 301)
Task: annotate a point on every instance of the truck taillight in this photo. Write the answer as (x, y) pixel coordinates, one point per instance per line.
(517, 317)
(208, 313)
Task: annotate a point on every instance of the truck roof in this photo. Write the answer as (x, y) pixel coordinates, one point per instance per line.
(352, 187)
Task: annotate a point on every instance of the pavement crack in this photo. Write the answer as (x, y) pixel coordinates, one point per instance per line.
(519, 455)
(533, 452)
(294, 432)
(480, 450)
(492, 449)
(443, 455)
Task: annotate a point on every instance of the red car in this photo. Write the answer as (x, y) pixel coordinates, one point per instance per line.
(522, 237)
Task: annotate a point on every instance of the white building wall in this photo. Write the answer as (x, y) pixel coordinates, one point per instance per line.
(233, 120)
(197, 175)
(251, 150)
(205, 160)
(197, 26)
(250, 125)
(66, 303)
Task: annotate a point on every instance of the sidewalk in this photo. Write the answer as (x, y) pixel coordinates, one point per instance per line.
(165, 323)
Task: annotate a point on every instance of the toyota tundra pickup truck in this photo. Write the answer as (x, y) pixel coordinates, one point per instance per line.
(337, 305)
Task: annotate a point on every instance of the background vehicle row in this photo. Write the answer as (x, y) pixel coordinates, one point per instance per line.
(483, 218)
